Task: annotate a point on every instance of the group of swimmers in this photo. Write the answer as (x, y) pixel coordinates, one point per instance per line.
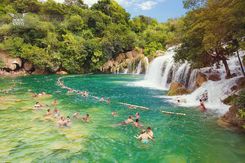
(146, 135)
(61, 120)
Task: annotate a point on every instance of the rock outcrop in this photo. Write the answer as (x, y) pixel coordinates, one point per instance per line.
(10, 63)
(232, 119)
(200, 79)
(125, 61)
(177, 89)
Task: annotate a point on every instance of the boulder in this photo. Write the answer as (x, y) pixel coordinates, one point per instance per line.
(214, 77)
(200, 79)
(9, 62)
(177, 89)
(28, 66)
(61, 73)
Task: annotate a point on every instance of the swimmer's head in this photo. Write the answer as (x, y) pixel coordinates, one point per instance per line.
(200, 100)
(48, 110)
(68, 117)
(130, 117)
(137, 120)
(148, 128)
(178, 100)
(87, 115)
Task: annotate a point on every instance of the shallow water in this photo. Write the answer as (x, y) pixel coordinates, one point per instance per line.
(26, 136)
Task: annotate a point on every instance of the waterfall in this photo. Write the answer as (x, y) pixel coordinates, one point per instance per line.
(138, 69)
(146, 63)
(192, 80)
(163, 68)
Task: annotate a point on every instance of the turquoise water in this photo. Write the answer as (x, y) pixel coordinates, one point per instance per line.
(26, 136)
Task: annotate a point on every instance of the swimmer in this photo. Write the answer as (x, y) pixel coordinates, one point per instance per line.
(76, 115)
(61, 122)
(102, 99)
(127, 121)
(108, 101)
(55, 102)
(149, 132)
(56, 113)
(202, 106)
(86, 118)
(144, 137)
(38, 105)
(67, 121)
(137, 124)
(114, 114)
(137, 115)
(49, 113)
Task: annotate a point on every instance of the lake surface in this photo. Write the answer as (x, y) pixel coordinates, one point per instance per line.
(27, 136)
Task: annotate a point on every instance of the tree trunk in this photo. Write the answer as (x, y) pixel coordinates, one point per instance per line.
(227, 69)
(240, 63)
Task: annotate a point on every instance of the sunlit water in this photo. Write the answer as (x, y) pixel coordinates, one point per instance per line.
(26, 136)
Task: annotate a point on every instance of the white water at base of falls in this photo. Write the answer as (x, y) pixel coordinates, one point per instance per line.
(216, 90)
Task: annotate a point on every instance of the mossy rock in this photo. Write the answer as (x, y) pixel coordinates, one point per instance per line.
(230, 100)
(177, 89)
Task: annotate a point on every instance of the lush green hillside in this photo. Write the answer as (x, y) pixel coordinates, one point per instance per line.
(76, 38)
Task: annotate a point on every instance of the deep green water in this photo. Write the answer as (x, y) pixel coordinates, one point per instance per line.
(26, 136)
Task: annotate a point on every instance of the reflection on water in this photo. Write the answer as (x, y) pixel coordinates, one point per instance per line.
(27, 136)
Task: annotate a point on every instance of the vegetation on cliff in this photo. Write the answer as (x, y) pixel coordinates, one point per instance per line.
(212, 31)
(74, 37)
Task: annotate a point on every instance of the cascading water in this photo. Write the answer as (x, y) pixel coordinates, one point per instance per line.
(139, 68)
(162, 71)
(163, 67)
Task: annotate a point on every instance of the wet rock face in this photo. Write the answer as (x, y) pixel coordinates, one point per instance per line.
(200, 79)
(177, 89)
(214, 77)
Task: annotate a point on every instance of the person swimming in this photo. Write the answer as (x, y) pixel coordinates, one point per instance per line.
(114, 114)
(102, 99)
(144, 137)
(150, 132)
(127, 121)
(202, 106)
(56, 113)
(55, 103)
(86, 118)
(108, 101)
(68, 121)
(38, 105)
(137, 115)
(76, 115)
(137, 124)
(61, 122)
(49, 113)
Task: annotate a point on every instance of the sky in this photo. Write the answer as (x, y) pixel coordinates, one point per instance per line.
(162, 10)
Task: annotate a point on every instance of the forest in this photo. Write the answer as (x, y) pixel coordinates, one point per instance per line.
(79, 39)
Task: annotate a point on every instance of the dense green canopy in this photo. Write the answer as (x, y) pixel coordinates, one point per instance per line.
(76, 38)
